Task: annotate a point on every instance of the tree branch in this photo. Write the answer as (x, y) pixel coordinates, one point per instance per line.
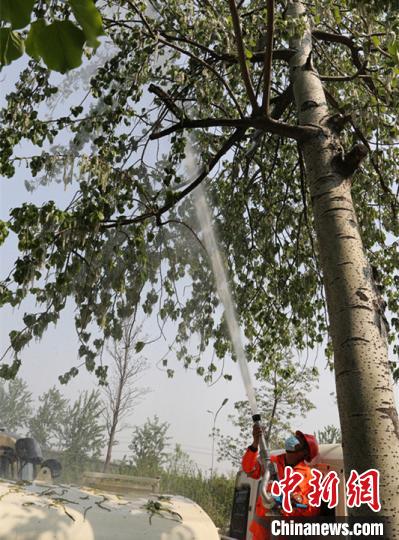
(268, 125)
(257, 56)
(203, 123)
(335, 38)
(167, 100)
(157, 212)
(359, 133)
(241, 55)
(267, 67)
(348, 42)
(206, 65)
(159, 39)
(281, 102)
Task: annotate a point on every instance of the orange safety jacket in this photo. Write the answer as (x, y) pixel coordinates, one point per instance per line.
(254, 469)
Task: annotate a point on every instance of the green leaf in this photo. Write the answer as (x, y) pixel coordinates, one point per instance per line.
(375, 40)
(11, 46)
(17, 12)
(3, 231)
(33, 39)
(90, 20)
(337, 15)
(139, 346)
(60, 44)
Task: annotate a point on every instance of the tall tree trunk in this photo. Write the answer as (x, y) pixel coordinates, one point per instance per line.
(368, 416)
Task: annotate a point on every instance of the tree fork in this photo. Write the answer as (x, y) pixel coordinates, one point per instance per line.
(368, 416)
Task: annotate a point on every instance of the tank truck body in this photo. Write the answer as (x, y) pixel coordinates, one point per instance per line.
(109, 507)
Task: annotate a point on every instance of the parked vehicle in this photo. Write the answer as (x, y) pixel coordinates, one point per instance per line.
(111, 507)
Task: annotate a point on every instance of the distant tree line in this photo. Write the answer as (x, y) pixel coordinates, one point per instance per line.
(75, 433)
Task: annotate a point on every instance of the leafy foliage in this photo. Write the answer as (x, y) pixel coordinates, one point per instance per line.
(46, 423)
(108, 243)
(59, 43)
(15, 405)
(330, 434)
(83, 433)
(282, 397)
(214, 495)
(179, 463)
(149, 444)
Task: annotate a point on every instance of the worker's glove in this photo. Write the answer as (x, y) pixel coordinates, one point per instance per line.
(279, 501)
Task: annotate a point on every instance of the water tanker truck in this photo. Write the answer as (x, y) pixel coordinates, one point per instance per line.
(118, 507)
(111, 507)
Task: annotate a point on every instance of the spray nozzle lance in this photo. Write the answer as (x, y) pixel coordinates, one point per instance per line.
(267, 498)
(264, 453)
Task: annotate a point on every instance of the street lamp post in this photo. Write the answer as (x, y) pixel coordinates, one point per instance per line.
(215, 415)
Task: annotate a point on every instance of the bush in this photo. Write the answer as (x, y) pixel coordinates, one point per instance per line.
(214, 495)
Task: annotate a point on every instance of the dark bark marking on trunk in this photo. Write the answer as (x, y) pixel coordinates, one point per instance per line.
(336, 209)
(315, 198)
(355, 306)
(308, 65)
(361, 295)
(332, 180)
(381, 321)
(354, 339)
(310, 104)
(340, 198)
(345, 371)
(345, 262)
(391, 413)
(353, 223)
(328, 178)
(345, 237)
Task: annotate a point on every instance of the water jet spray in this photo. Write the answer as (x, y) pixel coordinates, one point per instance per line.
(223, 289)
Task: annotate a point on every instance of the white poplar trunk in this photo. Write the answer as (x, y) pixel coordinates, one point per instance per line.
(368, 415)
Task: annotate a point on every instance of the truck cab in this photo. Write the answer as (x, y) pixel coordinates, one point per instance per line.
(247, 491)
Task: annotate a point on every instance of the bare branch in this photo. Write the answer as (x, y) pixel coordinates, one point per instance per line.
(267, 67)
(348, 42)
(167, 100)
(241, 55)
(268, 125)
(203, 123)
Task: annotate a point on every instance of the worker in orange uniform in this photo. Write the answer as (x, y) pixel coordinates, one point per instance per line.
(299, 449)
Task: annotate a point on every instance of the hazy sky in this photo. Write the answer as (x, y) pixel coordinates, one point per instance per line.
(182, 401)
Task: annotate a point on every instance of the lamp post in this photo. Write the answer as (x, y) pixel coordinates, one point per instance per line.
(215, 415)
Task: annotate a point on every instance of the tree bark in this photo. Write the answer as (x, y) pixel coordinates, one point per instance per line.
(110, 445)
(116, 409)
(368, 415)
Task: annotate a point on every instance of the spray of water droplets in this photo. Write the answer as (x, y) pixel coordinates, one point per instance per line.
(219, 271)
